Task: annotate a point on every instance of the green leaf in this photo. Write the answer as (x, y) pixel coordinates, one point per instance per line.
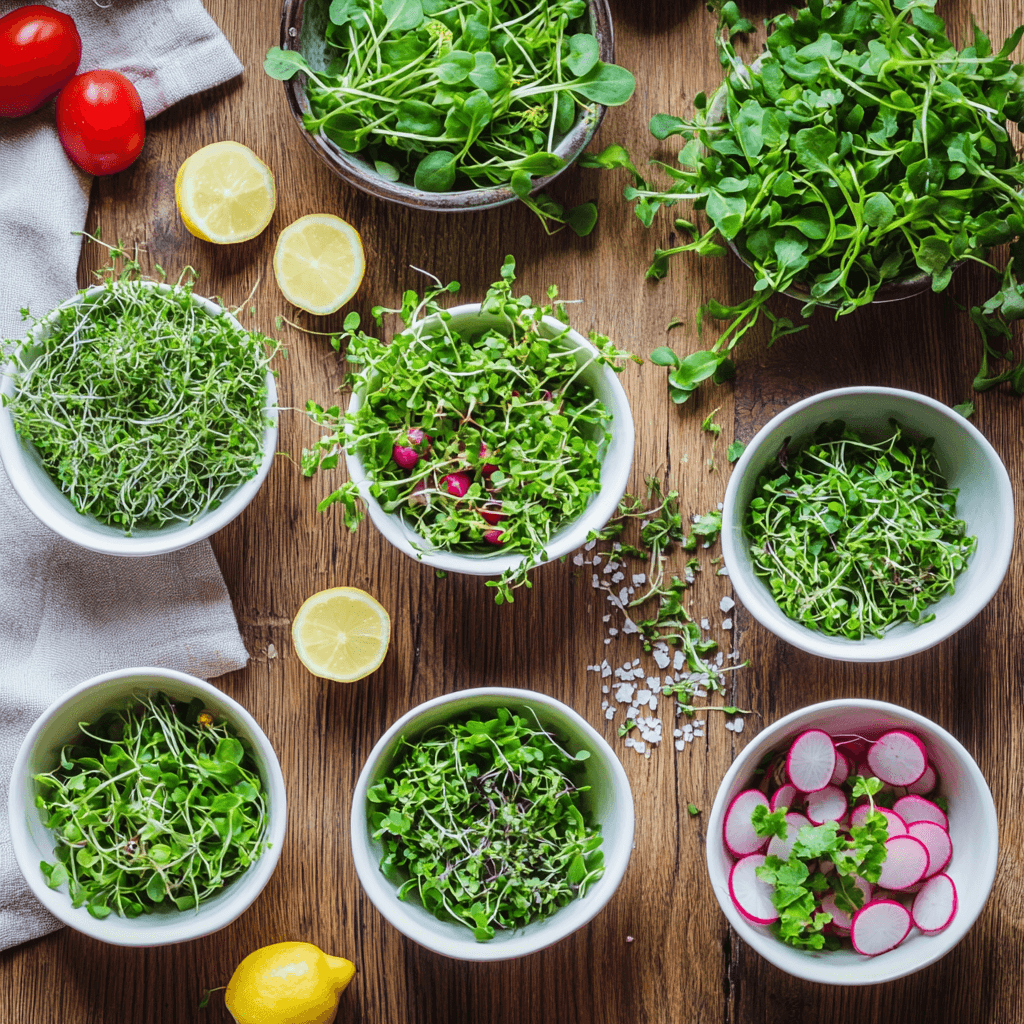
(402, 15)
(283, 64)
(436, 172)
(664, 125)
(966, 409)
(879, 211)
(663, 356)
(607, 84)
(455, 66)
(584, 53)
(229, 749)
(582, 219)
(736, 449)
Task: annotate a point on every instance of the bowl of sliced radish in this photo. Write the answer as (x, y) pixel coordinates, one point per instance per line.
(853, 842)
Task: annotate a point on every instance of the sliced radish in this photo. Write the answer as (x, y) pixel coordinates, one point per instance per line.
(828, 804)
(935, 905)
(853, 747)
(937, 842)
(924, 785)
(784, 796)
(738, 832)
(898, 758)
(825, 866)
(782, 848)
(906, 862)
(811, 761)
(895, 825)
(880, 926)
(916, 808)
(840, 918)
(842, 769)
(752, 896)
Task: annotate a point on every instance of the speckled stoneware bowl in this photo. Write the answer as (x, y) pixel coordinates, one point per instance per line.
(302, 28)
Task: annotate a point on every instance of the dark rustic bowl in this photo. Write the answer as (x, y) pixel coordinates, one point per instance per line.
(306, 35)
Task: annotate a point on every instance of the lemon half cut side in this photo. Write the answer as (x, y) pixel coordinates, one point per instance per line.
(341, 634)
(319, 263)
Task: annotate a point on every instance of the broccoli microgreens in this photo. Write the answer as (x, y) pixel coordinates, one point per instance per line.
(798, 890)
(158, 802)
(853, 537)
(144, 409)
(461, 95)
(483, 439)
(483, 820)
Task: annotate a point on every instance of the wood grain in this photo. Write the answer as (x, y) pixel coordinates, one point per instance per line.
(684, 964)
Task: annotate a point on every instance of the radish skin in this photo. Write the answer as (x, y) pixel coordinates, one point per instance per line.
(906, 862)
(842, 770)
(737, 831)
(916, 808)
(811, 761)
(937, 842)
(924, 785)
(879, 926)
(751, 896)
(898, 758)
(785, 796)
(935, 905)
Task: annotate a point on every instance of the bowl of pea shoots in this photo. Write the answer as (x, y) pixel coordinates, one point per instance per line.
(867, 524)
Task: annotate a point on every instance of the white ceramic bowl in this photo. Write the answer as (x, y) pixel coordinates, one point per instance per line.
(968, 463)
(611, 807)
(51, 507)
(618, 458)
(973, 829)
(33, 842)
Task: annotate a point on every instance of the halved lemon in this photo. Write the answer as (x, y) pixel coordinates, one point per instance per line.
(319, 263)
(341, 634)
(225, 193)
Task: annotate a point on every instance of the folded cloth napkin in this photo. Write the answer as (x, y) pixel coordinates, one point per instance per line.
(66, 613)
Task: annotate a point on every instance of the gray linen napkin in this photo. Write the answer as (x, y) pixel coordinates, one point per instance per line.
(65, 613)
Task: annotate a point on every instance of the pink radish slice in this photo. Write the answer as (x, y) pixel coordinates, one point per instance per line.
(906, 862)
(842, 770)
(825, 866)
(828, 804)
(753, 898)
(840, 918)
(895, 825)
(898, 758)
(935, 905)
(880, 926)
(937, 842)
(784, 796)
(916, 808)
(924, 785)
(811, 761)
(782, 848)
(738, 832)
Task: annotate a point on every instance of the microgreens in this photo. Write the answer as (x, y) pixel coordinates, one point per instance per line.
(483, 820)
(456, 94)
(154, 803)
(736, 449)
(853, 537)
(144, 409)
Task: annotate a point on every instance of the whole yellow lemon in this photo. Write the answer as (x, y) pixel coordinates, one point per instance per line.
(288, 983)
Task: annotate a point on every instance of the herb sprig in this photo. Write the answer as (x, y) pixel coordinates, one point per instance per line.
(484, 821)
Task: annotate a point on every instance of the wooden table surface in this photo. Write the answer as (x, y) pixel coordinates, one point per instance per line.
(684, 963)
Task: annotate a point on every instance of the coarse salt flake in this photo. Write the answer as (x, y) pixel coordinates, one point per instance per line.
(590, 545)
(639, 578)
(737, 725)
(609, 713)
(705, 623)
(727, 604)
(726, 623)
(678, 660)
(577, 559)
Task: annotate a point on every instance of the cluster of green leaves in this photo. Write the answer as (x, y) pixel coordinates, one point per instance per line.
(456, 94)
(994, 319)
(798, 890)
(862, 148)
(853, 537)
(144, 409)
(510, 397)
(484, 820)
(154, 805)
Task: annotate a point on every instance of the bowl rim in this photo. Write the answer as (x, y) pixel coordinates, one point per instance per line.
(381, 892)
(185, 928)
(80, 531)
(763, 942)
(602, 506)
(465, 200)
(871, 649)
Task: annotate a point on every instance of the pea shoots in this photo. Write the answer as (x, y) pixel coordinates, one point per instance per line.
(484, 821)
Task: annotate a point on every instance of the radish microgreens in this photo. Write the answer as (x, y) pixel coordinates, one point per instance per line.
(505, 409)
(853, 537)
(457, 94)
(483, 820)
(154, 805)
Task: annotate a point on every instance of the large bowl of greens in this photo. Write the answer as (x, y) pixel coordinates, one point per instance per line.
(535, 829)
(146, 807)
(451, 107)
(138, 417)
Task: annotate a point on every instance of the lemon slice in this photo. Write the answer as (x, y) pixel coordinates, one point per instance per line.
(341, 634)
(225, 193)
(319, 263)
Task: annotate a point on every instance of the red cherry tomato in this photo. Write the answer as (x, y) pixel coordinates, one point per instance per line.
(100, 122)
(39, 53)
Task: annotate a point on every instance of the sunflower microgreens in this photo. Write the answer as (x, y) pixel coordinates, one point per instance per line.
(864, 148)
(459, 94)
(854, 537)
(484, 821)
(482, 440)
(154, 805)
(144, 409)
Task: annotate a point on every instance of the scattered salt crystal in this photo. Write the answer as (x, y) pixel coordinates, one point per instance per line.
(677, 732)
(610, 567)
(639, 746)
(721, 507)
(604, 689)
(698, 723)
(605, 618)
(590, 545)
(727, 604)
(653, 703)
(636, 661)
(623, 595)
(607, 639)
(639, 578)
(737, 725)
(677, 661)
(705, 623)
(271, 652)
(629, 741)
(643, 697)
(730, 726)
(595, 582)
(577, 559)
(647, 753)
(613, 566)
(613, 631)
(596, 561)
(606, 670)
(629, 938)
(609, 713)
(624, 692)
(680, 744)
(723, 571)
(629, 626)
(618, 577)
(726, 623)
(698, 733)
(719, 658)
(661, 658)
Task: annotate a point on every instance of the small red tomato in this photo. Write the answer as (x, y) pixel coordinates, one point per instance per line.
(100, 122)
(39, 53)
